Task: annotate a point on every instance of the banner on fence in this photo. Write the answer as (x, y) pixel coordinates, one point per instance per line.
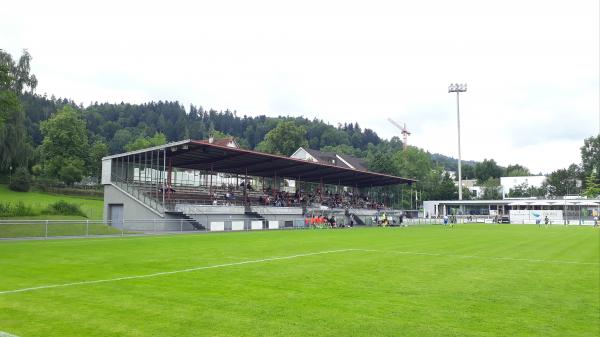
(529, 216)
(217, 226)
(237, 225)
(256, 224)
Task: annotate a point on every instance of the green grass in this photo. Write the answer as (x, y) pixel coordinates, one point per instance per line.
(460, 287)
(92, 207)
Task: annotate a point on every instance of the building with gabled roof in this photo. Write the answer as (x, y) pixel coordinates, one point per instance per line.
(228, 142)
(330, 158)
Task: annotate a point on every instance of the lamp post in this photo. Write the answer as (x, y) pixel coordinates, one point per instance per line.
(458, 88)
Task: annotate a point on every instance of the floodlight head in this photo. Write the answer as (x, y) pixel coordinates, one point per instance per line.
(455, 87)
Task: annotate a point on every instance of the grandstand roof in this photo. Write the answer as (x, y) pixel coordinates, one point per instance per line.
(201, 155)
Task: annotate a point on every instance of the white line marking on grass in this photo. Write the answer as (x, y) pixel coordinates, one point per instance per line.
(173, 272)
(6, 334)
(479, 257)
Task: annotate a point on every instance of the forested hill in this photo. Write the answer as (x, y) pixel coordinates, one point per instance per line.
(450, 163)
(120, 124)
(55, 141)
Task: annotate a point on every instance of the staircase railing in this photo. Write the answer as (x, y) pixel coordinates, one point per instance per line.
(145, 198)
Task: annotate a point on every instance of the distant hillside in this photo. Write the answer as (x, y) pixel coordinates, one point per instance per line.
(119, 124)
(449, 163)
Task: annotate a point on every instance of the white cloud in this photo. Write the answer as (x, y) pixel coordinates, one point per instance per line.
(532, 66)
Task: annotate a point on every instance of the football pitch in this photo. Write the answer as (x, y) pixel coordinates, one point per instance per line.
(473, 280)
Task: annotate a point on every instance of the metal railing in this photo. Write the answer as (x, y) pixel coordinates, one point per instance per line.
(56, 228)
(152, 195)
(43, 229)
(11, 229)
(133, 189)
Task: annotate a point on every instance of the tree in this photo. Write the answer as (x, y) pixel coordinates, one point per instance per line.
(413, 163)
(590, 155)
(21, 181)
(15, 148)
(519, 191)
(71, 171)
(97, 150)
(64, 149)
(467, 194)
(343, 149)
(592, 189)
(382, 163)
(121, 138)
(443, 187)
(517, 171)
(564, 181)
(467, 172)
(487, 169)
(146, 142)
(538, 192)
(491, 189)
(284, 139)
(15, 77)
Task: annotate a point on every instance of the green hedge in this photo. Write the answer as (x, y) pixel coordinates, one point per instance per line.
(8, 209)
(61, 207)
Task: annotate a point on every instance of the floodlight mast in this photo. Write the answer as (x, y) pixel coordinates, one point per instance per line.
(458, 88)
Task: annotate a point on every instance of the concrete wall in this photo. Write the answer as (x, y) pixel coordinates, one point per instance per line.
(430, 207)
(132, 209)
(209, 209)
(267, 210)
(364, 212)
(106, 171)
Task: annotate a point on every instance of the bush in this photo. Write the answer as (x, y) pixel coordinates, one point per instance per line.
(62, 207)
(21, 180)
(18, 209)
(70, 174)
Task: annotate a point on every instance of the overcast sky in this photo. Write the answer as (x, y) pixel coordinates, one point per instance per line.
(532, 67)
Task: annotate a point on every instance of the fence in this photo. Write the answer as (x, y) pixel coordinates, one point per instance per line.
(130, 227)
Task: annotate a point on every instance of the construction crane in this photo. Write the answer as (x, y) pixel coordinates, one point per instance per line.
(403, 129)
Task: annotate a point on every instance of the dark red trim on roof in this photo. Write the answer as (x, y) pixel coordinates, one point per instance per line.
(202, 155)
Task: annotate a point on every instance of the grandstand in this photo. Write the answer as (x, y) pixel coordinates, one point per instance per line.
(217, 186)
